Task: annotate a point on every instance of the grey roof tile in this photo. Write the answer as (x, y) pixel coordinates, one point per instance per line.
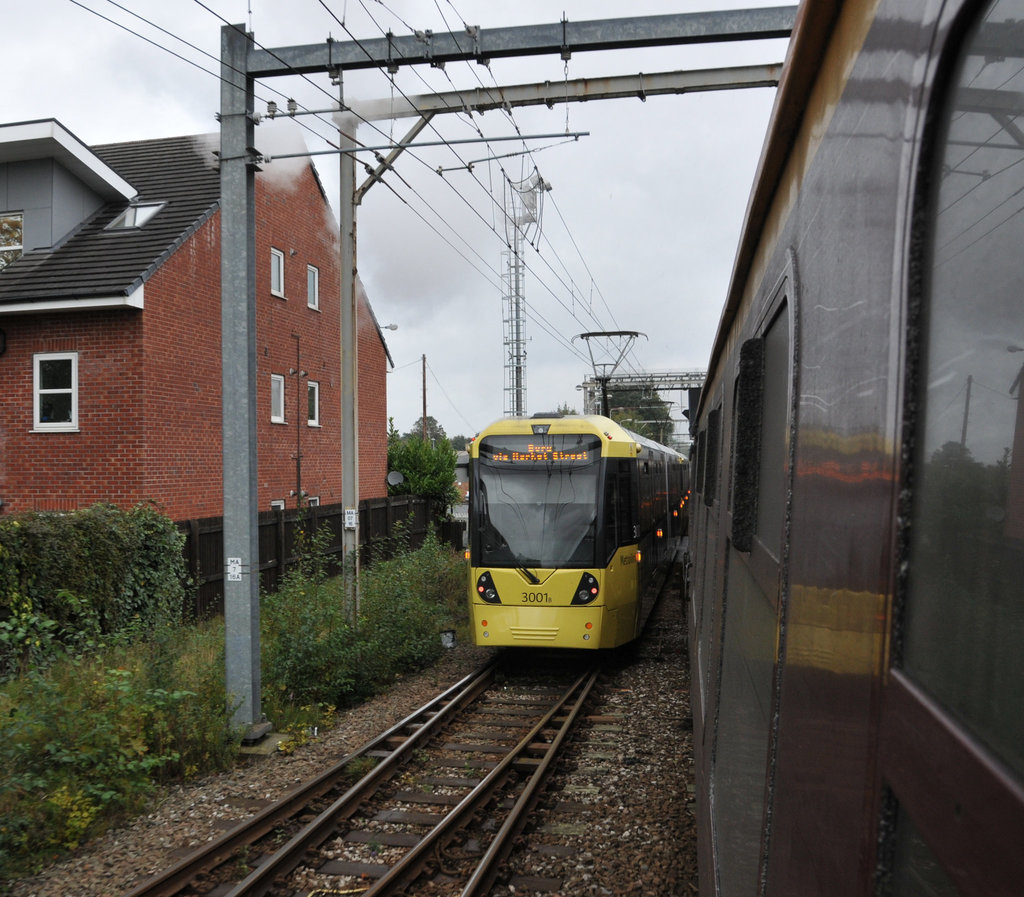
(94, 262)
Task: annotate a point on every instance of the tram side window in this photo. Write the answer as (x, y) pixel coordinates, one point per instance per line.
(747, 443)
(618, 503)
(964, 625)
(711, 456)
(774, 439)
(698, 467)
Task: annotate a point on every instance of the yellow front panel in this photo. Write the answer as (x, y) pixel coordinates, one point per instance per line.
(542, 615)
(554, 627)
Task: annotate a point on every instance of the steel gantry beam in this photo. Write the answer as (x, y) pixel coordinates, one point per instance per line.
(548, 93)
(656, 380)
(580, 90)
(242, 63)
(564, 38)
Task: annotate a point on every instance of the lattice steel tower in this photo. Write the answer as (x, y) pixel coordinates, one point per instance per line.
(523, 204)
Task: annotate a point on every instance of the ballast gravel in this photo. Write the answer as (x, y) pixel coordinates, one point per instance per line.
(619, 820)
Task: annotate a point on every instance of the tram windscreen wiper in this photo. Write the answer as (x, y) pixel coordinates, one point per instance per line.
(529, 574)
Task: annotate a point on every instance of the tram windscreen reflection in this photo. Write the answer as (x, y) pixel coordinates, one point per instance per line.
(537, 500)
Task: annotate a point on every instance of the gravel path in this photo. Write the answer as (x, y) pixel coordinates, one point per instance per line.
(643, 843)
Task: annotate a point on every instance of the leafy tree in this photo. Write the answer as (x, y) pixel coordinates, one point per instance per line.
(427, 470)
(642, 410)
(565, 410)
(435, 432)
(459, 442)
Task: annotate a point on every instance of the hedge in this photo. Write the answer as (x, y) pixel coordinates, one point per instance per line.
(67, 580)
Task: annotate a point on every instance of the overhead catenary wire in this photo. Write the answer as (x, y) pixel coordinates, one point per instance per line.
(549, 328)
(485, 269)
(485, 273)
(457, 38)
(508, 112)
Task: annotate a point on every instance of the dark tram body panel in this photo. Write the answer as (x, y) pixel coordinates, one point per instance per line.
(857, 520)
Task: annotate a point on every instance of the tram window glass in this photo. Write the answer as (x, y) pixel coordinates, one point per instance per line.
(711, 457)
(618, 506)
(916, 872)
(747, 443)
(964, 617)
(537, 500)
(698, 468)
(771, 475)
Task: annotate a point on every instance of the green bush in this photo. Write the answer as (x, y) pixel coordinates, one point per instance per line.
(406, 602)
(309, 654)
(318, 653)
(84, 742)
(427, 469)
(85, 738)
(68, 580)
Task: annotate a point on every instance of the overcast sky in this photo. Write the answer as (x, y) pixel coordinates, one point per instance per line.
(638, 231)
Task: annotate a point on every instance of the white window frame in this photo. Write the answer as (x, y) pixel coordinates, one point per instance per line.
(313, 286)
(135, 216)
(277, 272)
(277, 404)
(38, 392)
(313, 501)
(277, 504)
(313, 389)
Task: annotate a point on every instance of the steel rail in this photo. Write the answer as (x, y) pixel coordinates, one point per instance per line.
(261, 879)
(486, 871)
(428, 717)
(409, 867)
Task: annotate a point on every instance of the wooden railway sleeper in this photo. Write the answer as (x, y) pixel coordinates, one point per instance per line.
(409, 867)
(173, 880)
(261, 879)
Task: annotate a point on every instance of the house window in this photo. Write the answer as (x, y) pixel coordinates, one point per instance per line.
(135, 216)
(55, 391)
(277, 398)
(313, 286)
(313, 397)
(11, 228)
(313, 501)
(277, 272)
(277, 504)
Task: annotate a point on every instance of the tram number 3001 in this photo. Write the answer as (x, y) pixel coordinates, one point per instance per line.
(536, 598)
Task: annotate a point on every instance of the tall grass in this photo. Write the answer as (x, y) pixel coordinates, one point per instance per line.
(325, 647)
(87, 738)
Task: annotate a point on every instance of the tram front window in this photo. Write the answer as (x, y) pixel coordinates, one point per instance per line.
(537, 501)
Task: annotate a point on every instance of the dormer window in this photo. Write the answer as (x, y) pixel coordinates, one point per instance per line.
(135, 215)
(11, 228)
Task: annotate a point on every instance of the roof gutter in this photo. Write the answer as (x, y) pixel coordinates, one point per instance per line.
(134, 299)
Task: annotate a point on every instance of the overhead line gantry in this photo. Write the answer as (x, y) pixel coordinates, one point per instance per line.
(242, 63)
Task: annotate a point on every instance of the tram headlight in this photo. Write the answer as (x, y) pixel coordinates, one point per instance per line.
(486, 590)
(587, 590)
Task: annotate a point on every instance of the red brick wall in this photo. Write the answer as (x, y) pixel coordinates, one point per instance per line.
(294, 218)
(181, 416)
(150, 385)
(66, 470)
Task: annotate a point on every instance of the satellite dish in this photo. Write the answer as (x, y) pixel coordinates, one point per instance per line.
(395, 477)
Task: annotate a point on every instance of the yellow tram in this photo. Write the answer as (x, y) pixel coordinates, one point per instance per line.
(570, 519)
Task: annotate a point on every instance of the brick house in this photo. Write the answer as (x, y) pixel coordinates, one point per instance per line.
(110, 323)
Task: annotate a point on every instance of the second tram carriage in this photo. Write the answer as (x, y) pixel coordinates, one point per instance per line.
(570, 520)
(857, 522)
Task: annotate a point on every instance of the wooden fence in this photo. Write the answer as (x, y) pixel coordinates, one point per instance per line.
(380, 521)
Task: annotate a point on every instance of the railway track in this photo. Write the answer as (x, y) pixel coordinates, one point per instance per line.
(437, 800)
